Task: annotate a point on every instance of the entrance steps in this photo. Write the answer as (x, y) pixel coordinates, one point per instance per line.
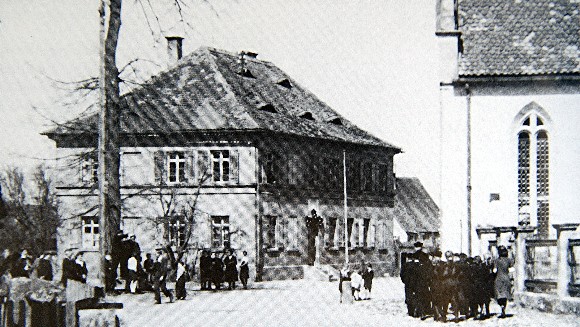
(321, 273)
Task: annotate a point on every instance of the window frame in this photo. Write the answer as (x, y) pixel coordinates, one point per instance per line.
(91, 239)
(224, 227)
(223, 175)
(180, 162)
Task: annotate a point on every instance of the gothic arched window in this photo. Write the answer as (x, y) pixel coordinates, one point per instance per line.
(533, 168)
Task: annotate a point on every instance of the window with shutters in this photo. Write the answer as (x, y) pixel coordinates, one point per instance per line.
(89, 169)
(382, 176)
(533, 168)
(271, 231)
(220, 165)
(349, 226)
(271, 169)
(176, 167)
(91, 233)
(294, 170)
(367, 177)
(220, 231)
(381, 235)
(293, 234)
(331, 233)
(366, 223)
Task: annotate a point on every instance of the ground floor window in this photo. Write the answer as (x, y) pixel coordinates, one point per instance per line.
(220, 227)
(91, 233)
(176, 231)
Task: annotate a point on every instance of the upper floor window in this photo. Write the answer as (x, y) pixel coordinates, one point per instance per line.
(176, 162)
(89, 169)
(90, 232)
(221, 165)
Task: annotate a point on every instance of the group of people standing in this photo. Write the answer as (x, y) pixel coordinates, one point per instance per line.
(356, 284)
(22, 264)
(464, 284)
(215, 270)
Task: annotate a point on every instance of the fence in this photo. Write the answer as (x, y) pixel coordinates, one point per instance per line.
(573, 256)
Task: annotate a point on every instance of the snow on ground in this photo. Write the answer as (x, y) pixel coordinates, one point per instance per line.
(301, 303)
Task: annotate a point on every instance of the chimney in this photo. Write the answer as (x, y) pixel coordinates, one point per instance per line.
(174, 48)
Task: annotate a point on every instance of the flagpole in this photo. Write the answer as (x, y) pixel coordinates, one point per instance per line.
(345, 208)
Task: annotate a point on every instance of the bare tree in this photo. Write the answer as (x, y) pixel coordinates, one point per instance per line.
(31, 215)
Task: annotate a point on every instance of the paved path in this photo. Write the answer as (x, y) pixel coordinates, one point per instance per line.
(302, 303)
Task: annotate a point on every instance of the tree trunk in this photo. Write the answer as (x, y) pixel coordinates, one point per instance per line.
(108, 152)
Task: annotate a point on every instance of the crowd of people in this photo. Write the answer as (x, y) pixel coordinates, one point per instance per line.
(465, 285)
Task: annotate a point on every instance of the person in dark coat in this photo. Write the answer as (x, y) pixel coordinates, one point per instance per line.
(44, 266)
(422, 281)
(22, 266)
(67, 267)
(79, 270)
(160, 269)
(231, 269)
(205, 270)
(368, 276)
(148, 270)
(110, 274)
(217, 271)
(245, 270)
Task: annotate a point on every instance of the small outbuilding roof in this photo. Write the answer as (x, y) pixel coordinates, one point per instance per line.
(415, 210)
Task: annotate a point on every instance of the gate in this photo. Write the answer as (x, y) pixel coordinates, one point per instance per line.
(541, 273)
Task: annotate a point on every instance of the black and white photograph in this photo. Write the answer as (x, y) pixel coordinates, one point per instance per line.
(289, 163)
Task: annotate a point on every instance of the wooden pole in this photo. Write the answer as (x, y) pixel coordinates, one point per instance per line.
(345, 208)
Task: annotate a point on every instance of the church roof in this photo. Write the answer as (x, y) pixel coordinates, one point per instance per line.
(208, 91)
(415, 210)
(519, 37)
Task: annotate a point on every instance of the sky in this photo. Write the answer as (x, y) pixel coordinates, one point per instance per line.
(374, 62)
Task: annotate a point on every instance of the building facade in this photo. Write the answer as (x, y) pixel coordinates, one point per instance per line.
(510, 104)
(227, 151)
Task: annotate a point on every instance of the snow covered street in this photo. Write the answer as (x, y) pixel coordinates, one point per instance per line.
(302, 303)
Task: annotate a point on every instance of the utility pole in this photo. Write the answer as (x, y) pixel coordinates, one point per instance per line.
(345, 208)
(108, 139)
(468, 169)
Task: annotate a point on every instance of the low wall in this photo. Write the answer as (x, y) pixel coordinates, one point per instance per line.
(548, 302)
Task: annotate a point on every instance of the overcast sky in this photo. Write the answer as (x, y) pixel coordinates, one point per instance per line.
(374, 62)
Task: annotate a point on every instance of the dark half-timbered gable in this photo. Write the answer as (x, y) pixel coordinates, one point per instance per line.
(234, 146)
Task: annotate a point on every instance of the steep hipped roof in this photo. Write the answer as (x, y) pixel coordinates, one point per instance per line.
(415, 210)
(205, 91)
(519, 37)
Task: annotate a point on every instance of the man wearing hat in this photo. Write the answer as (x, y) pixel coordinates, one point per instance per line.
(422, 281)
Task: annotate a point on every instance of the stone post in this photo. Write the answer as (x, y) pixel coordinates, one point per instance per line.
(522, 233)
(564, 232)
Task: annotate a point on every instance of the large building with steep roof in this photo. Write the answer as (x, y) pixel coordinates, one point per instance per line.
(234, 148)
(510, 110)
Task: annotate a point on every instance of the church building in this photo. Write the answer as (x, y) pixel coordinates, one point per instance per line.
(510, 111)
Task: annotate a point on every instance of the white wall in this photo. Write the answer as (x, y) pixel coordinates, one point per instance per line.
(494, 158)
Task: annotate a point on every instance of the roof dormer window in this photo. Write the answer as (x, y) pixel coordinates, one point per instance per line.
(267, 107)
(336, 121)
(285, 83)
(306, 115)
